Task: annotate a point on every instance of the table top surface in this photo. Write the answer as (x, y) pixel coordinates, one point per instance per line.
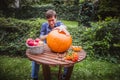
(51, 58)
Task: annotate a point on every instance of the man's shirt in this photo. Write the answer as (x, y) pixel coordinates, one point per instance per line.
(45, 29)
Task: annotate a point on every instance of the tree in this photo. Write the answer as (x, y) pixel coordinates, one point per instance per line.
(5, 4)
(86, 13)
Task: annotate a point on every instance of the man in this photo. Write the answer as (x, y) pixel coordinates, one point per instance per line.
(45, 29)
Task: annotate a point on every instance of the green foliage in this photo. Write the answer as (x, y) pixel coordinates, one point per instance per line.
(32, 12)
(14, 33)
(109, 8)
(107, 37)
(25, 12)
(4, 4)
(103, 38)
(67, 10)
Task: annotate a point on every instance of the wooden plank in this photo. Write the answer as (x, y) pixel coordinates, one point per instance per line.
(55, 57)
(52, 58)
(34, 58)
(46, 72)
(45, 60)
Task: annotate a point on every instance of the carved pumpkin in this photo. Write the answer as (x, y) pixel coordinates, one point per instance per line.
(58, 41)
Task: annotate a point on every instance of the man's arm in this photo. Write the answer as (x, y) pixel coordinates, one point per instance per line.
(43, 34)
(43, 37)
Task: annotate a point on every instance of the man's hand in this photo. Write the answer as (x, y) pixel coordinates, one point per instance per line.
(43, 37)
(62, 28)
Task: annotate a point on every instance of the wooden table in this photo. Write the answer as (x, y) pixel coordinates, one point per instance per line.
(49, 58)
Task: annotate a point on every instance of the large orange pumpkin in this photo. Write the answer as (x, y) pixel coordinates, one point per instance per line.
(59, 41)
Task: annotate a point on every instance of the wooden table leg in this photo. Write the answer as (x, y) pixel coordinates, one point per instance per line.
(69, 72)
(46, 72)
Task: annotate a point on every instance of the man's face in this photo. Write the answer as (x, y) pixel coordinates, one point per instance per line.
(52, 21)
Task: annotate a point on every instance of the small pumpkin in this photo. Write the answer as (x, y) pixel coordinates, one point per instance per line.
(76, 48)
(58, 41)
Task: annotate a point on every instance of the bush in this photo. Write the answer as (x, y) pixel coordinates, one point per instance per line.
(109, 8)
(108, 38)
(26, 12)
(84, 37)
(14, 33)
(102, 40)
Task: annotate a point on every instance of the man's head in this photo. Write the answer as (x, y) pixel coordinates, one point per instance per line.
(51, 17)
(50, 13)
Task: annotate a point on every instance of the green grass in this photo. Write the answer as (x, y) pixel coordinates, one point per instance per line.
(70, 24)
(14, 68)
(17, 68)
